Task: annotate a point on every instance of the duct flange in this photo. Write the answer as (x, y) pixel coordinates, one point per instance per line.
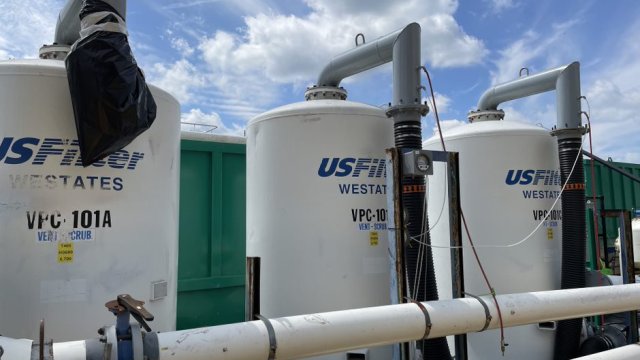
(485, 115)
(325, 93)
(565, 133)
(423, 109)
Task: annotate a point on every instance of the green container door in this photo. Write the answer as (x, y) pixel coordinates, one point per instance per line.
(211, 265)
(619, 193)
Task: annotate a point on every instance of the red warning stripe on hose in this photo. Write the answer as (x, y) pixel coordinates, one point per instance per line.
(579, 186)
(408, 189)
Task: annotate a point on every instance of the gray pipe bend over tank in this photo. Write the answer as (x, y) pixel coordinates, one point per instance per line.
(68, 26)
(403, 48)
(566, 81)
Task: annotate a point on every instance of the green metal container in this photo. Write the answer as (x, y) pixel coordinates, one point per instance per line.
(617, 192)
(211, 262)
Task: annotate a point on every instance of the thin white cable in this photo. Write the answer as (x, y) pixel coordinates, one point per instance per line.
(531, 233)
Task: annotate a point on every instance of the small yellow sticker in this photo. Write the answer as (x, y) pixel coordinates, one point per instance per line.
(550, 234)
(373, 238)
(65, 252)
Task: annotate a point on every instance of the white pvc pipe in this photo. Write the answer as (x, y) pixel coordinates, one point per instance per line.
(71, 350)
(324, 333)
(19, 349)
(629, 352)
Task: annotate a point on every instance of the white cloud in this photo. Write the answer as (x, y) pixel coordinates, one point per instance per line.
(181, 79)
(182, 46)
(500, 5)
(443, 103)
(198, 121)
(533, 49)
(615, 120)
(247, 69)
(25, 25)
(610, 84)
(447, 125)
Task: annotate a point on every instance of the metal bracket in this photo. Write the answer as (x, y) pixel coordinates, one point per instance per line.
(427, 319)
(487, 313)
(273, 344)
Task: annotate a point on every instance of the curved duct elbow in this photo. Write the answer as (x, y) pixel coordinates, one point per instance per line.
(68, 25)
(363, 57)
(564, 79)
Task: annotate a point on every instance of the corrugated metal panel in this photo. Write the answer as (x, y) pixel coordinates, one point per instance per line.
(211, 271)
(619, 193)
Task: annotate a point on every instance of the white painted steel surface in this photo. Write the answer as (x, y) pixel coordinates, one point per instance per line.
(508, 178)
(217, 138)
(17, 349)
(629, 352)
(635, 231)
(107, 229)
(316, 207)
(323, 333)
(72, 350)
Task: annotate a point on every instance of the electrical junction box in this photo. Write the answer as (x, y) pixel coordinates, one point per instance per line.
(417, 163)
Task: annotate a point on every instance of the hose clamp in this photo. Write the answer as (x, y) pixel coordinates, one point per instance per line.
(487, 313)
(427, 319)
(273, 345)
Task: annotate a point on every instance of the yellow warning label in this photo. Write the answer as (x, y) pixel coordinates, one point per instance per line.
(65, 252)
(373, 238)
(550, 234)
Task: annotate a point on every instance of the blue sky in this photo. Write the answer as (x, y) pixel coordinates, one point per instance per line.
(227, 61)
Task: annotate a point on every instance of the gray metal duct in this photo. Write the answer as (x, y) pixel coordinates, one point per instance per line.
(401, 46)
(564, 79)
(68, 26)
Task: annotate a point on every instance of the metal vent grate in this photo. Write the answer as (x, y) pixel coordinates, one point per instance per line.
(159, 290)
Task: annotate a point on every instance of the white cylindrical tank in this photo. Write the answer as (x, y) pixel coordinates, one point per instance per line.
(635, 231)
(74, 238)
(316, 208)
(509, 179)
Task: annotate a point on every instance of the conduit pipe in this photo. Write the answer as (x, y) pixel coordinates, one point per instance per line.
(566, 81)
(68, 25)
(324, 333)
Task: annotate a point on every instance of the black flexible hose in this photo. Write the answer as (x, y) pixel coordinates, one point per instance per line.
(408, 136)
(573, 242)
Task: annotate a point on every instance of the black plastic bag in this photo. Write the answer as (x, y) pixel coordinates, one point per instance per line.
(111, 101)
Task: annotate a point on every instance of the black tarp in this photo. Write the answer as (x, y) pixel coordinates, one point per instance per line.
(111, 101)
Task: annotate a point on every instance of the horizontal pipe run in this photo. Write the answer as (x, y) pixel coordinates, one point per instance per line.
(324, 333)
(629, 352)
